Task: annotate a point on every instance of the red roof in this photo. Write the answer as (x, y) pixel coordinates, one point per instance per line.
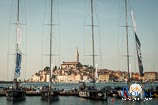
(70, 63)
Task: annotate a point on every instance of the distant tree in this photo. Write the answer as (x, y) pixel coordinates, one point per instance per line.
(55, 68)
(90, 67)
(46, 68)
(19, 80)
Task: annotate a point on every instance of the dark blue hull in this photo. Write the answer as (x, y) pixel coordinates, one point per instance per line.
(15, 95)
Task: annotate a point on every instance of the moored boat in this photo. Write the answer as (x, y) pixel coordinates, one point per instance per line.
(48, 93)
(91, 92)
(17, 93)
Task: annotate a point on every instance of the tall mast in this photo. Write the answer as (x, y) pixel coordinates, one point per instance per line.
(92, 29)
(126, 16)
(17, 26)
(50, 57)
(18, 12)
(16, 75)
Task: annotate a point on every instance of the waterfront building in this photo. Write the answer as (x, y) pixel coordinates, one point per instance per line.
(85, 77)
(68, 78)
(150, 76)
(76, 72)
(135, 76)
(78, 77)
(35, 77)
(103, 77)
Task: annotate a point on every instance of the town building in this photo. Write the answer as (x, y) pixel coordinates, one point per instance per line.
(150, 76)
(72, 65)
(75, 72)
(135, 76)
(103, 77)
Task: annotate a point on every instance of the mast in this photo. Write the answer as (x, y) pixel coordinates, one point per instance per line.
(17, 71)
(138, 47)
(50, 56)
(17, 27)
(126, 17)
(92, 30)
(18, 12)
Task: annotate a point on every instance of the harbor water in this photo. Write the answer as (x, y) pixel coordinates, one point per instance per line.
(71, 100)
(76, 85)
(74, 100)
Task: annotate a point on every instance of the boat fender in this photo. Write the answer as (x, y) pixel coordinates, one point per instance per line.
(88, 94)
(100, 94)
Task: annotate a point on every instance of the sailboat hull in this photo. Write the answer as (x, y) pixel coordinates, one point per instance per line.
(49, 96)
(15, 95)
(95, 95)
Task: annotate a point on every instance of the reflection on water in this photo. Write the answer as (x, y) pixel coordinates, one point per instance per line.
(14, 103)
(70, 100)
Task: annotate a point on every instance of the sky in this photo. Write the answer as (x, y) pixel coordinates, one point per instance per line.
(71, 31)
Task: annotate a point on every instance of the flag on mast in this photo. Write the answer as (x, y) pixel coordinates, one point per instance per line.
(138, 47)
(18, 36)
(96, 71)
(18, 53)
(18, 65)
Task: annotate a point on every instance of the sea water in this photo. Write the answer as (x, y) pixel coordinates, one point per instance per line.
(73, 100)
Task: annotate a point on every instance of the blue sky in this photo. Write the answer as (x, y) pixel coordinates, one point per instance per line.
(71, 31)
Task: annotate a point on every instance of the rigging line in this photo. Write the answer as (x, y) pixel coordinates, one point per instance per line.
(96, 17)
(56, 43)
(134, 51)
(127, 41)
(26, 41)
(84, 35)
(100, 49)
(99, 34)
(14, 41)
(116, 35)
(121, 41)
(9, 31)
(59, 32)
(44, 40)
(42, 35)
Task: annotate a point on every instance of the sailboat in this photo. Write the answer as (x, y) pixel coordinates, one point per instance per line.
(47, 92)
(16, 93)
(134, 91)
(140, 92)
(91, 92)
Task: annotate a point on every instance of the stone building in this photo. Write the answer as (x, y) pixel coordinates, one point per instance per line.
(72, 65)
(150, 76)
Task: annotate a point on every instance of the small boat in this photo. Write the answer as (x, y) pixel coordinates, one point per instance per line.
(17, 93)
(69, 92)
(49, 95)
(91, 92)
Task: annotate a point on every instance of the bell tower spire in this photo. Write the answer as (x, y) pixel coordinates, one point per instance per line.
(77, 55)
